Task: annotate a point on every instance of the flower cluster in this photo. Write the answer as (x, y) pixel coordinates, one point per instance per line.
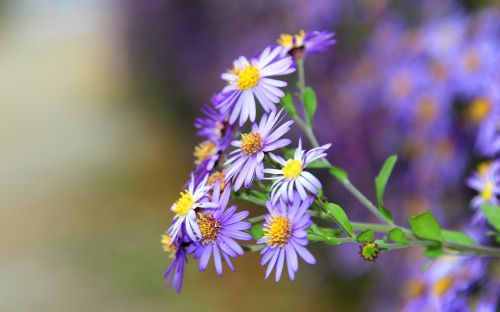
(204, 226)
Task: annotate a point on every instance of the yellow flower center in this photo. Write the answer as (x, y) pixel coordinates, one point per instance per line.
(472, 61)
(248, 77)
(442, 286)
(166, 241)
(278, 231)
(292, 169)
(414, 288)
(402, 85)
(427, 108)
(251, 143)
(217, 176)
(184, 204)
(439, 71)
(209, 227)
(479, 109)
(483, 168)
(487, 193)
(287, 40)
(203, 151)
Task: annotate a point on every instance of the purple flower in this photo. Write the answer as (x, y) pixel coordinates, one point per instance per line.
(195, 196)
(307, 43)
(285, 236)
(292, 176)
(443, 286)
(247, 161)
(178, 250)
(213, 125)
(486, 181)
(219, 229)
(249, 78)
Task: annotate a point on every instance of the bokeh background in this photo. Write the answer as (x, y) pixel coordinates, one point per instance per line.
(97, 103)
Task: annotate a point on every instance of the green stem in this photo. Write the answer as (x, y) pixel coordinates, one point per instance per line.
(301, 83)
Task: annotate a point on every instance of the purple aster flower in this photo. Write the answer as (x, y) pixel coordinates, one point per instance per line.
(249, 78)
(486, 181)
(219, 229)
(213, 125)
(305, 43)
(285, 236)
(485, 111)
(178, 250)
(443, 286)
(246, 162)
(292, 176)
(195, 196)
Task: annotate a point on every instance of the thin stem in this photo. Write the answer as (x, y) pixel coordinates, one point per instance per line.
(301, 83)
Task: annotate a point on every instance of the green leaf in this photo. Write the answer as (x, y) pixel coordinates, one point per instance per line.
(492, 214)
(458, 237)
(338, 214)
(309, 100)
(338, 173)
(256, 231)
(433, 252)
(365, 236)
(386, 213)
(425, 226)
(398, 236)
(382, 178)
(288, 104)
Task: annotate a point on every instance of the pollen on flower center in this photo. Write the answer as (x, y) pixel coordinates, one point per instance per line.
(487, 193)
(479, 109)
(166, 241)
(184, 204)
(217, 176)
(278, 231)
(248, 77)
(203, 151)
(292, 41)
(442, 286)
(292, 169)
(483, 168)
(251, 143)
(210, 228)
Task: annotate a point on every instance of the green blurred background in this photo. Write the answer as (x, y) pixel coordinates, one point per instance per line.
(88, 174)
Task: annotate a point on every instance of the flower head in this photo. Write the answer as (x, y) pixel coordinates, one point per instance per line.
(246, 162)
(194, 197)
(292, 176)
(486, 181)
(178, 250)
(219, 229)
(305, 43)
(249, 79)
(285, 236)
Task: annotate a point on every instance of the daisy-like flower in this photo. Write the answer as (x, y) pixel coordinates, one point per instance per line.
(194, 197)
(178, 251)
(249, 79)
(214, 124)
(246, 162)
(486, 181)
(285, 236)
(443, 287)
(304, 43)
(219, 229)
(292, 176)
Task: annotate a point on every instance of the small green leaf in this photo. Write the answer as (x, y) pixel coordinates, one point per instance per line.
(492, 214)
(338, 214)
(433, 252)
(398, 236)
(458, 237)
(386, 213)
(338, 173)
(256, 231)
(382, 178)
(288, 104)
(309, 100)
(425, 226)
(365, 236)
